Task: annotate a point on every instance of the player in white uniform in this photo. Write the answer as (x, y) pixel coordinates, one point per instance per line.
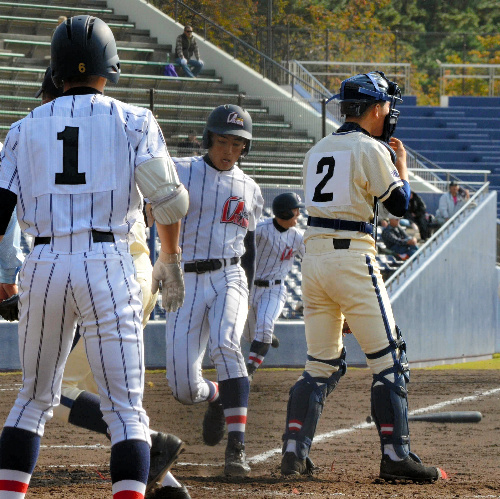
(79, 400)
(80, 205)
(216, 234)
(278, 243)
(345, 174)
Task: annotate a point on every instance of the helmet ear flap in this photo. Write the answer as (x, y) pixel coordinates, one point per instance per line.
(206, 140)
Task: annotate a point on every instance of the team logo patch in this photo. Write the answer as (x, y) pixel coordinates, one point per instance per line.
(235, 118)
(395, 173)
(234, 212)
(287, 254)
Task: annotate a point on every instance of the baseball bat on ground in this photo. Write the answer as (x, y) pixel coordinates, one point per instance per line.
(444, 417)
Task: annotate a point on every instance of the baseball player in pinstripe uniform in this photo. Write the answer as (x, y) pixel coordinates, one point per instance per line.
(79, 400)
(278, 243)
(216, 234)
(345, 174)
(80, 206)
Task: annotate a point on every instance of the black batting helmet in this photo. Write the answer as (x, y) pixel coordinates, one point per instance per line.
(48, 86)
(359, 92)
(229, 119)
(284, 203)
(82, 46)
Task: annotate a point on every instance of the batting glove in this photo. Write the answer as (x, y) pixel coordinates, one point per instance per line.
(183, 61)
(167, 270)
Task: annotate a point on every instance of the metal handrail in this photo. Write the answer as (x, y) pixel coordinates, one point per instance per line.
(319, 90)
(415, 260)
(493, 73)
(358, 67)
(285, 73)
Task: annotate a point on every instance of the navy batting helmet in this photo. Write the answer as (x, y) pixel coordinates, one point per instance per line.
(284, 203)
(83, 46)
(48, 86)
(229, 119)
(359, 92)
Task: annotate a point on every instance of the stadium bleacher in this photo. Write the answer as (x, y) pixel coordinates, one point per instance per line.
(464, 135)
(180, 104)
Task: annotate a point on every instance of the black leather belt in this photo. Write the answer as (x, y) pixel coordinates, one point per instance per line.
(341, 243)
(265, 284)
(97, 237)
(335, 223)
(202, 266)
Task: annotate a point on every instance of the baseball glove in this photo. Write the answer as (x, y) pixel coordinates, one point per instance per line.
(9, 309)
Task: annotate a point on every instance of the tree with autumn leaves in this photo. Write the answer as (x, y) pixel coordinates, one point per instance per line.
(419, 32)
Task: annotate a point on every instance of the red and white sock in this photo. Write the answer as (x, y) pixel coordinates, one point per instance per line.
(13, 484)
(129, 489)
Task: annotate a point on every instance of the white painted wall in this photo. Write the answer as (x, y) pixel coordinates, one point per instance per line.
(165, 29)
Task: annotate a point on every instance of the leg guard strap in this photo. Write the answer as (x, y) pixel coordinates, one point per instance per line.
(389, 400)
(305, 406)
(394, 344)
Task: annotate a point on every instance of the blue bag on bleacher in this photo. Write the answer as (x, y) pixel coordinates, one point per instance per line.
(169, 70)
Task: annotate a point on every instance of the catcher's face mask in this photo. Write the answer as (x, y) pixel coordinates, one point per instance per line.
(359, 92)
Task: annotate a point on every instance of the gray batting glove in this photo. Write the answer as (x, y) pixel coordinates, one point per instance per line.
(167, 270)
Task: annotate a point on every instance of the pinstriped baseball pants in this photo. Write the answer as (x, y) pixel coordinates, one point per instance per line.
(98, 289)
(214, 314)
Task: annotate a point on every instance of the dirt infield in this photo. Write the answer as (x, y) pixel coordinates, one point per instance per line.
(74, 462)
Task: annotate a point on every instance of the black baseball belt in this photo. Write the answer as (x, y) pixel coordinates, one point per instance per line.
(336, 223)
(202, 266)
(97, 237)
(265, 284)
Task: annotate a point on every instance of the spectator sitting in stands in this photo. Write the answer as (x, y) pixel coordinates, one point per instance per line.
(185, 48)
(189, 147)
(416, 214)
(450, 202)
(397, 240)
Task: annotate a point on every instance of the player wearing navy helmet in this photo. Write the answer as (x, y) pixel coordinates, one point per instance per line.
(216, 235)
(80, 206)
(279, 242)
(345, 175)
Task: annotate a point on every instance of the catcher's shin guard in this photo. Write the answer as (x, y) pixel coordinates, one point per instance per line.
(389, 400)
(305, 406)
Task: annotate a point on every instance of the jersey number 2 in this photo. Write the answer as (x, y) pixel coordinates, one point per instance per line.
(70, 174)
(323, 197)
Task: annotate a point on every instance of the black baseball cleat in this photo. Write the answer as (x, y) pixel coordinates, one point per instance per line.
(409, 468)
(165, 449)
(251, 371)
(275, 342)
(292, 465)
(214, 423)
(169, 492)
(236, 462)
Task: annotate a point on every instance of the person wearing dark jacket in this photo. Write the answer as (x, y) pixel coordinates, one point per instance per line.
(397, 240)
(416, 214)
(185, 48)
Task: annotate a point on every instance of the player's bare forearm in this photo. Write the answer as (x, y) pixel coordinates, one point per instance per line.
(7, 290)
(400, 151)
(169, 237)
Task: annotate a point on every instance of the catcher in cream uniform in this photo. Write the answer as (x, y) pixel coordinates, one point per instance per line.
(345, 175)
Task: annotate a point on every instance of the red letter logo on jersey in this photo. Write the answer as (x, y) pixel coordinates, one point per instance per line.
(234, 212)
(287, 253)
